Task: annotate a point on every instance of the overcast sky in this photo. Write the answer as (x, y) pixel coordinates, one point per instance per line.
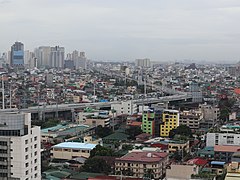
(126, 29)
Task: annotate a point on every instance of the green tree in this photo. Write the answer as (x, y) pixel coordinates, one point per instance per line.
(103, 131)
(101, 151)
(133, 131)
(182, 130)
(225, 106)
(96, 165)
(127, 147)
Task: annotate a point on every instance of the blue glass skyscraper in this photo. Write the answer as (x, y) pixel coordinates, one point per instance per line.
(17, 54)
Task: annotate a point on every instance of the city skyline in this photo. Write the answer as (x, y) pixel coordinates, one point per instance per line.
(126, 30)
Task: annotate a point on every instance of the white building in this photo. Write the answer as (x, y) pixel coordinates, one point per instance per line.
(20, 156)
(43, 56)
(71, 150)
(223, 139)
(143, 62)
(209, 112)
(57, 56)
(125, 107)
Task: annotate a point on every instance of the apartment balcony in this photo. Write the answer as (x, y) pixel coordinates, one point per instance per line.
(3, 147)
(3, 163)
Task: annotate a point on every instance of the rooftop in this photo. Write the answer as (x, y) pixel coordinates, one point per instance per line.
(222, 148)
(171, 110)
(64, 129)
(143, 156)
(75, 145)
(198, 161)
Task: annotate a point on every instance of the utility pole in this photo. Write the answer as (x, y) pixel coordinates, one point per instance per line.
(57, 109)
(10, 93)
(94, 91)
(3, 95)
(145, 87)
(113, 119)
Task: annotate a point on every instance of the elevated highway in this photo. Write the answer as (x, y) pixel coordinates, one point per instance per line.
(69, 107)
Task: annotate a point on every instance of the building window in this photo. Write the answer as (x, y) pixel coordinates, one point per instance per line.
(26, 173)
(35, 153)
(35, 160)
(35, 145)
(35, 175)
(3, 143)
(26, 149)
(26, 164)
(35, 168)
(26, 157)
(26, 141)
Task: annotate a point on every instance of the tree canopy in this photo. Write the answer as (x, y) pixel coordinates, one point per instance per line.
(96, 165)
(181, 130)
(133, 131)
(103, 131)
(101, 151)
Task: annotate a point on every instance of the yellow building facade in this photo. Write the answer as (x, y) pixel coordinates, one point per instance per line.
(170, 119)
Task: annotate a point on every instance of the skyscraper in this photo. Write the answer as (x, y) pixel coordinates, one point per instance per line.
(143, 63)
(57, 56)
(43, 56)
(17, 55)
(20, 156)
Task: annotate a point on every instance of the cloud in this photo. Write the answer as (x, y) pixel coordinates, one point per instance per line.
(4, 2)
(116, 29)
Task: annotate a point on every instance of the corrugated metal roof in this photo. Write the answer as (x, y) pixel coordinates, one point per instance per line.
(75, 145)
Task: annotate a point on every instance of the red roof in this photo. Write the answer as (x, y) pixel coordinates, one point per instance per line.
(237, 91)
(143, 156)
(198, 161)
(113, 178)
(143, 136)
(162, 146)
(135, 123)
(221, 148)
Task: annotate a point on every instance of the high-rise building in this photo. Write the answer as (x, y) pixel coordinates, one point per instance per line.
(43, 56)
(82, 55)
(210, 115)
(151, 120)
(191, 119)
(125, 107)
(196, 92)
(79, 60)
(17, 55)
(57, 56)
(20, 157)
(143, 62)
(170, 121)
(75, 55)
(30, 60)
(49, 79)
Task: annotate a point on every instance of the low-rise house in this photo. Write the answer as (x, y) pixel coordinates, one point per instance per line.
(224, 153)
(181, 172)
(95, 121)
(70, 150)
(178, 146)
(143, 137)
(207, 152)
